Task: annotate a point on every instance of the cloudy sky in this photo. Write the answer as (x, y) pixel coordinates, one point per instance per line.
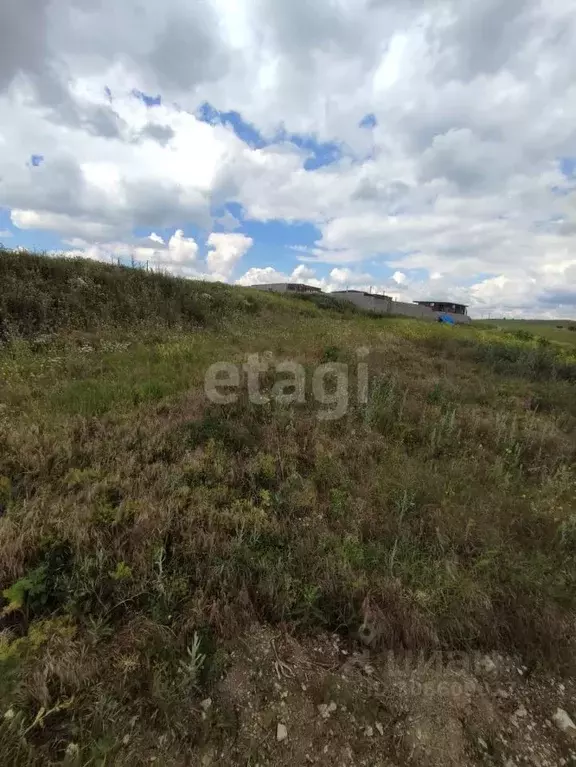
(426, 148)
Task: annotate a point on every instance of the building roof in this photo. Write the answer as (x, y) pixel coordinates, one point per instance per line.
(286, 285)
(444, 301)
(364, 293)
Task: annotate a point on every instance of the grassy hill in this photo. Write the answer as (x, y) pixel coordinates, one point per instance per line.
(143, 527)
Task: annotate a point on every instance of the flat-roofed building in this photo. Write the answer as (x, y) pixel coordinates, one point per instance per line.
(458, 312)
(287, 287)
(371, 302)
(444, 306)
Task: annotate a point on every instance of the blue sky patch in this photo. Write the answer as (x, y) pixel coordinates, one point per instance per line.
(368, 121)
(228, 210)
(321, 153)
(568, 166)
(5, 221)
(245, 131)
(272, 243)
(325, 153)
(31, 239)
(150, 101)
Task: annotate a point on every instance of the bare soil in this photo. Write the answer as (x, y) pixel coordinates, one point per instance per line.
(283, 702)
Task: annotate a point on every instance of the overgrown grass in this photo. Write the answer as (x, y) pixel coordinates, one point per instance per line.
(42, 296)
(558, 331)
(142, 526)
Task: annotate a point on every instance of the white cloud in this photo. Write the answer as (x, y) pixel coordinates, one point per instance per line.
(268, 274)
(262, 276)
(303, 273)
(182, 249)
(225, 251)
(344, 277)
(61, 222)
(457, 187)
(228, 221)
(178, 256)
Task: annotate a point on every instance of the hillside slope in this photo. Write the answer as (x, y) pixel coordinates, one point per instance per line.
(146, 530)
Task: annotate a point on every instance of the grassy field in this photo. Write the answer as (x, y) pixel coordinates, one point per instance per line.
(142, 526)
(558, 331)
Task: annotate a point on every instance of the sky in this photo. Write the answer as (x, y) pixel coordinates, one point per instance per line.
(421, 148)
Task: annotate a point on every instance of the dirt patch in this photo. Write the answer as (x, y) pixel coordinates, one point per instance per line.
(324, 702)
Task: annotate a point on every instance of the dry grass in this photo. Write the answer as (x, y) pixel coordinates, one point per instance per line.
(142, 526)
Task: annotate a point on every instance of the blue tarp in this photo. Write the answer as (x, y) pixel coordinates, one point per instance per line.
(447, 319)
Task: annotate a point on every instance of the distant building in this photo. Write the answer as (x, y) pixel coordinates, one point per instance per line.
(445, 307)
(361, 293)
(379, 303)
(371, 302)
(287, 287)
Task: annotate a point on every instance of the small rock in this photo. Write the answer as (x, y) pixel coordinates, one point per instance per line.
(281, 732)
(482, 743)
(323, 710)
(564, 723)
(369, 732)
(205, 705)
(379, 728)
(332, 707)
(520, 712)
(487, 664)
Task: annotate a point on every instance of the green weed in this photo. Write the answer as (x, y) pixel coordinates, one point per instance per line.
(141, 526)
